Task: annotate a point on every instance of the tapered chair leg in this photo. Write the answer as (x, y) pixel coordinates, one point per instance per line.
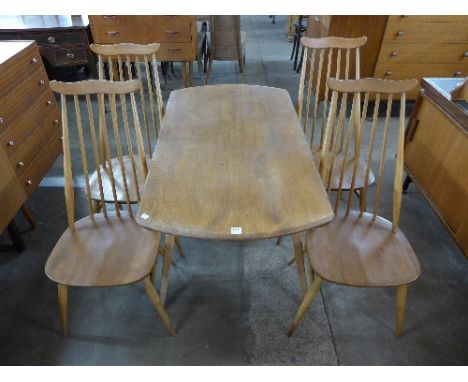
(305, 304)
(179, 247)
(299, 255)
(154, 297)
(63, 306)
(169, 246)
(402, 292)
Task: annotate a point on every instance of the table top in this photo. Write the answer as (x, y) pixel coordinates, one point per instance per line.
(12, 23)
(232, 162)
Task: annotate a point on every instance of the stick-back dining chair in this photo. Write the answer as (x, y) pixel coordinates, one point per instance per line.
(359, 247)
(226, 41)
(108, 248)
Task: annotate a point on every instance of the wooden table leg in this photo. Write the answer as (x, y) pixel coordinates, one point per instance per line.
(29, 216)
(15, 235)
(184, 73)
(169, 246)
(299, 255)
(190, 79)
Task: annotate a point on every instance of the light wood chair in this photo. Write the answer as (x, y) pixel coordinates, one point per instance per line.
(360, 248)
(124, 60)
(103, 249)
(226, 41)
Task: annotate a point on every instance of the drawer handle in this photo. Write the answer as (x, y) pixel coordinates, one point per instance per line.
(457, 73)
(61, 139)
(34, 60)
(171, 33)
(41, 82)
(388, 73)
(70, 55)
(20, 164)
(11, 143)
(110, 17)
(28, 183)
(48, 103)
(317, 19)
(393, 54)
(1, 120)
(174, 49)
(400, 33)
(51, 39)
(465, 54)
(113, 34)
(56, 121)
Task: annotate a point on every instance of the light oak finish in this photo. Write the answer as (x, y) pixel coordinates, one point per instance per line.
(29, 139)
(360, 248)
(242, 161)
(436, 155)
(102, 249)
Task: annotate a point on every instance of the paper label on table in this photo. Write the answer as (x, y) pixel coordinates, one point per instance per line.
(144, 216)
(236, 230)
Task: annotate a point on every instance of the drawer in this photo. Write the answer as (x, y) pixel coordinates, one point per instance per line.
(139, 20)
(22, 65)
(54, 37)
(22, 125)
(175, 52)
(427, 53)
(407, 71)
(414, 32)
(172, 20)
(45, 158)
(8, 36)
(405, 20)
(65, 55)
(117, 34)
(177, 33)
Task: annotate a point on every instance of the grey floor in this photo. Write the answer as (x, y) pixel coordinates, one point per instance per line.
(232, 302)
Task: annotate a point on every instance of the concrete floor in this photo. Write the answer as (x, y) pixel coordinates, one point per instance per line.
(232, 302)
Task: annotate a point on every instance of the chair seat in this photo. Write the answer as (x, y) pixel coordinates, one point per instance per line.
(107, 252)
(359, 251)
(118, 179)
(348, 175)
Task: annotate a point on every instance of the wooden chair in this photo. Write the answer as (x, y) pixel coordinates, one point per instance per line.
(103, 249)
(226, 41)
(360, 248)
(124, 60)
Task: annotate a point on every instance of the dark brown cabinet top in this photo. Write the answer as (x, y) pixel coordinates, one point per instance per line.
(14, 23)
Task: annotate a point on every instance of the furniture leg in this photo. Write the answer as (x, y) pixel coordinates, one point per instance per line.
(402, 292)
(406, 183)
(63, 306)
(29, 216)
(169, 245)
(16, 238)
(210, 66)
(179, 246)
(97, 206)
(154, 297)
(184, 73)
(300, 61)
(278, 241)
(299, 255)
(309, 297)
(190, 76)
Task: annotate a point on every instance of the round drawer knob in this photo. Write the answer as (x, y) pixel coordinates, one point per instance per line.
(20, 164)
(28, 183)
(61, 139)
(388, 73)
(11, 143)
(457, 73)
(465, 54)
(34, 60)
(51, 39)
(70, 55)
(41, 82)
(48, 103)
(400, 33)
(1, 120)
(393, 54)
(56, 121)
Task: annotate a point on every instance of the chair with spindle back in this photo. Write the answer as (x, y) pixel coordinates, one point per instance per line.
(125, 60)
(360, 248)
(108, 248)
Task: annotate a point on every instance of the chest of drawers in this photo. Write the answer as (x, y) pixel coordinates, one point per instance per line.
(30, 129)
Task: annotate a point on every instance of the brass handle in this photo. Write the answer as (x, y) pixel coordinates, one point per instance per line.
(457, 73)
(109, 17)
(61, 139)
(51, 39)
(317, 19)
(1, 120)
(70, 55)
(465, 54)
(388, 73)
(171, 33)
(41, 82)
(11, 143)
(174, 49)
(20, 164)
(28, 183)
(393, 54)
(400, 33)
(48, 103)
(113, 34)
(56, 121)
(34, 60)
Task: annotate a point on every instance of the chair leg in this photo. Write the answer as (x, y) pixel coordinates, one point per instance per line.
(210, 65)
(29, 216)
(299, 255)
(154, 297)
(402, 292)
(278, 241)
(294, 46)
(179, 246)
(309, 297)
(169, 245)
(63, 306)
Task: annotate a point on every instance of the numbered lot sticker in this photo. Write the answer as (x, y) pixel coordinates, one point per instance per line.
(144, 216)
(236, 230)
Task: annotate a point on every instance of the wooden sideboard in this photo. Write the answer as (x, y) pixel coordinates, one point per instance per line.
(402, 47)
(436, 154)
(63, 41)
(176, 34)
(30, 128)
